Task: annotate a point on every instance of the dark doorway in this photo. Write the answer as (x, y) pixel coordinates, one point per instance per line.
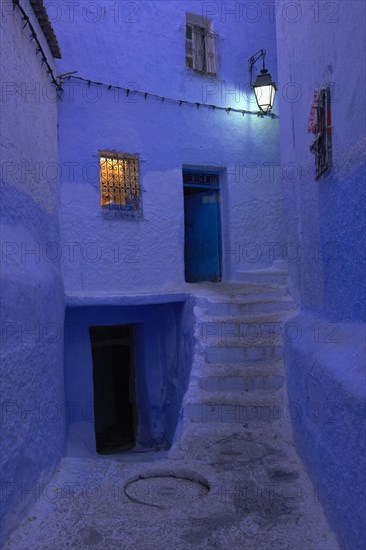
(114, 392)
(202, 226)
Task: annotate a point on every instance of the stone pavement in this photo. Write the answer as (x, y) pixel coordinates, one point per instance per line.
(259, 497)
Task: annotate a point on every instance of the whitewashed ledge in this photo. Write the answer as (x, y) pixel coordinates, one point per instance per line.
(178, 293)
(125, 299)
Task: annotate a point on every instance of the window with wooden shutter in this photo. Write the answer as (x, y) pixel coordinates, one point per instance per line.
(200, 45)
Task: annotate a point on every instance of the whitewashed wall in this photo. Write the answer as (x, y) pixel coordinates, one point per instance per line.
(141, 45)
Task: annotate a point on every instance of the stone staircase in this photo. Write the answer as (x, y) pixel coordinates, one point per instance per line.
(237, 374)
(236, 422)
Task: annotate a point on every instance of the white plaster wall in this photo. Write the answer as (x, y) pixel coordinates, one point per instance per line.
(149, 54)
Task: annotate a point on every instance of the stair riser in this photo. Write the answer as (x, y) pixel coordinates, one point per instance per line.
(277, 293)
(211, 371)
(236, 309)
(262, 278)
(241, 333)
(249, 354)
(243, 383)
(241, 297)
(232, 414)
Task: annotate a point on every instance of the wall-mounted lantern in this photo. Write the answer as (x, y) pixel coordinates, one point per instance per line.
(264, 88)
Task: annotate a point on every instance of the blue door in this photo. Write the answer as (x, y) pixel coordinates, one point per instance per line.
(202, 246)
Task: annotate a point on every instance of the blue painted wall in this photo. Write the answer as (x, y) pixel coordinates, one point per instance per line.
(326, 385)
(343, 225)
(325, 225)
(164, 347)
(32, 304)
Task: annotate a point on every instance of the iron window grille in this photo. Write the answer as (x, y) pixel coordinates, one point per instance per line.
(120, 184)
(200, 45)
(322, 144)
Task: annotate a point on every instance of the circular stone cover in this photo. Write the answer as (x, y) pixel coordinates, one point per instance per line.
(165, 491)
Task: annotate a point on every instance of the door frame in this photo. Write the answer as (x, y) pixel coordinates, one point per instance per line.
(220, 172)
(131, 339)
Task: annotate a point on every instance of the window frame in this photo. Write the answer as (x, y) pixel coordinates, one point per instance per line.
(323, 130)
(199, 25)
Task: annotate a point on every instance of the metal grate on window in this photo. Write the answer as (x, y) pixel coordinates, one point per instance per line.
(119, 183)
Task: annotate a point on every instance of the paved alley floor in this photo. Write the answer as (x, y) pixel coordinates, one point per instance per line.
(222, 487)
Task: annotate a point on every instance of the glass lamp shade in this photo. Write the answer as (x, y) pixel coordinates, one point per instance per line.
(264, 90)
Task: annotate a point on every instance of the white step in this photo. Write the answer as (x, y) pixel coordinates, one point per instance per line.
(198, 395)
(269, 276)
(270, 293)
(236, 308)
(218, 324)
(261, 292)
(216, 290)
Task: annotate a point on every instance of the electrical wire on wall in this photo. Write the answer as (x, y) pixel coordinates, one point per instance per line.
(58, 81)
(162, 99)
(39, 49)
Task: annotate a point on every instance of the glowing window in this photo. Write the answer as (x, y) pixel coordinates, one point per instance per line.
(120, 182)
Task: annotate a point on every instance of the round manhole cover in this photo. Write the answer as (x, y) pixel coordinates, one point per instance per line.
(165, 491)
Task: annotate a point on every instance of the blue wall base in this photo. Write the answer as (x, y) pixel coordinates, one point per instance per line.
(326, 385)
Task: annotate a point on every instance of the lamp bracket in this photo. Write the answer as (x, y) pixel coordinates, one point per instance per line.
(261, 54)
